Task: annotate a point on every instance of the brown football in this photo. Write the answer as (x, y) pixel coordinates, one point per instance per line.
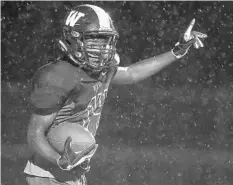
(81, 137)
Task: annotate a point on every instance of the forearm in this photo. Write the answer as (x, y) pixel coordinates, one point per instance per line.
(148, 67)
(38, 142)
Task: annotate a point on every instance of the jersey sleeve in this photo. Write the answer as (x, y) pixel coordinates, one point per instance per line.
(49, 92)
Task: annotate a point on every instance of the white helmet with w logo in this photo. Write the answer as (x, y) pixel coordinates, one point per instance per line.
(89, 21)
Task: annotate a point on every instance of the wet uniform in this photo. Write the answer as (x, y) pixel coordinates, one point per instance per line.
(73, 94)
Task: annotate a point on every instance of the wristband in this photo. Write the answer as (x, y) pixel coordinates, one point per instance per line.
(67, 168)
(180, 50)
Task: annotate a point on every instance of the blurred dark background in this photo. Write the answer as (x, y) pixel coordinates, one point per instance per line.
(186, 105)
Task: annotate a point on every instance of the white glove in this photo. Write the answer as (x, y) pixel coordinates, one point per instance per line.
(188, 39)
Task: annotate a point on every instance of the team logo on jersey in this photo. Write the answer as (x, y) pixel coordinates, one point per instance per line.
(97, 86)
(73, 17)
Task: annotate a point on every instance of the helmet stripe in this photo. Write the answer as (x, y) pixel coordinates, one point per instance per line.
(73, 17)
(104, 19)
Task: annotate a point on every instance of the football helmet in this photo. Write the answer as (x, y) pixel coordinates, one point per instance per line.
(89, 37)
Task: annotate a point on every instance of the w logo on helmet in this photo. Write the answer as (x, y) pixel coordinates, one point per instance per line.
(73, 17)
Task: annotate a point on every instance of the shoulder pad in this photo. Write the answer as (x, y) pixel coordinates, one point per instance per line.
(51, 86)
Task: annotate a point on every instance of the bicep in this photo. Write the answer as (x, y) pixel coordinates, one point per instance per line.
(49, 92)
(46, 100)
(122, 76)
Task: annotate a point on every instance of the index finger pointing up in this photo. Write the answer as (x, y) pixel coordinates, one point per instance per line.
(188, 30)
(190, 27)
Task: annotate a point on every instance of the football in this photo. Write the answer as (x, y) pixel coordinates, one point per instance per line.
(81, 137)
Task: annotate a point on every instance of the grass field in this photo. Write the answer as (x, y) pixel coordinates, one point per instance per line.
(118, 163)
(136, 166)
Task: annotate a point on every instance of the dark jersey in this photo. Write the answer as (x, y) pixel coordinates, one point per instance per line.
(68, 90)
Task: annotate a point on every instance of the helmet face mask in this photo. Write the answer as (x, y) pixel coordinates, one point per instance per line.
(100, 49)
(90, 43)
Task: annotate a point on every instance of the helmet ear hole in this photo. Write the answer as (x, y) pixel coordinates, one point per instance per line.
(75, 34)
(78, 54)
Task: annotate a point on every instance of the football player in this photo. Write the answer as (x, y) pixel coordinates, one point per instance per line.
(73, 89)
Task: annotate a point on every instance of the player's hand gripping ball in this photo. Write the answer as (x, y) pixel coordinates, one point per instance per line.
(73, 142)
(188, 39)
